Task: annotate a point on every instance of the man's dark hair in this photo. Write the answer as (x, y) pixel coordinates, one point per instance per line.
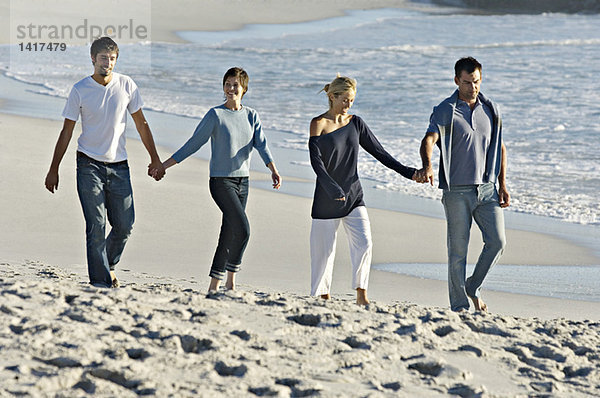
(467, 64)
(104, 44)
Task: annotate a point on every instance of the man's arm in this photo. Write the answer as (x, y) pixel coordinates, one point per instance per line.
(502, 190)
(155, 168)
(426, 151)
(59, 152)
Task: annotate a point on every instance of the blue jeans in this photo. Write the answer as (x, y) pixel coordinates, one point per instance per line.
(230, 194)
(463, 204)
(104, 191)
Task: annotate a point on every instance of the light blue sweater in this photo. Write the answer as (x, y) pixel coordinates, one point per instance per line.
(233, 134)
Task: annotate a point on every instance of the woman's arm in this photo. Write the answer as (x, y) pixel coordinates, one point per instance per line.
(169, 162)
(370, 143)
(200, 137)
(259, 140)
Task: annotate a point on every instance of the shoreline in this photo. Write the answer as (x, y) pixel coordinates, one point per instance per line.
(525, 247)
(160, 334)
(49, 106)
(586, 236)
(216, 15)
(169, 238)
(272, 12)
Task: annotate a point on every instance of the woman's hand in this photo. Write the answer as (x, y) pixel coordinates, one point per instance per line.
(158, 171)
(275, 175)
(276, 180)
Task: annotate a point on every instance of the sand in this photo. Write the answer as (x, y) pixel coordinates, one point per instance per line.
(177, 225)
(163, 337)
(160, 335)
(167, 17)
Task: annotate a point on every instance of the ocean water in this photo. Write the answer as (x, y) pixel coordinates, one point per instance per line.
(562, 282)
(541, 69)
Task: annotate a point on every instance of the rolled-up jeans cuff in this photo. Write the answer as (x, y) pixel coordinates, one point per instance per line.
(233, 267)
(217, 275)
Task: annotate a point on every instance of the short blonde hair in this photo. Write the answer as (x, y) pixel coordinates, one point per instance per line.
(339, 85)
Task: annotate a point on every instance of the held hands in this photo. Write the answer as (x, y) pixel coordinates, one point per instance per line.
(156, 170)
(423, 176)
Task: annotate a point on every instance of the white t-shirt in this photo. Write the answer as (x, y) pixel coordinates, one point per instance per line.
(103, 115)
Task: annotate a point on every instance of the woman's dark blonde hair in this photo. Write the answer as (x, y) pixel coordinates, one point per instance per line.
(340, 85)
(240, 74)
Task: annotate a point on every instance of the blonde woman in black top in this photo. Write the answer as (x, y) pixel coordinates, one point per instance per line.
(335, 137)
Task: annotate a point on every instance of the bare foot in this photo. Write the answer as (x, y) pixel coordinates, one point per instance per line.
(326, 296)
(361, 297)
(230, 283)
(115, 281)
(214, 285)
(479, 304)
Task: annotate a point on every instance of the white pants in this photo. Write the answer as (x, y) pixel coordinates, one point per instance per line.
(322, 250)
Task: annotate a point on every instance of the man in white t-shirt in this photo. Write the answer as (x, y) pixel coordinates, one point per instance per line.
(103, 182)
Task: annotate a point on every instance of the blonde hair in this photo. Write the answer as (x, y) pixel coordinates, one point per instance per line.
(339, 85)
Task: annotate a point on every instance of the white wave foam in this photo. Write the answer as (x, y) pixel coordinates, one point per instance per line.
(402, 62)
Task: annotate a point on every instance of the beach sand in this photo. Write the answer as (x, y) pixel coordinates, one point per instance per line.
(159, 335)
(177, 226)
(166, 17)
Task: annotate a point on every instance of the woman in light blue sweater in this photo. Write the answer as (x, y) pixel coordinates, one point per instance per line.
(234, 130)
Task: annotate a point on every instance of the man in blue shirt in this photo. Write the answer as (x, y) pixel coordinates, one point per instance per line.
(467, 128)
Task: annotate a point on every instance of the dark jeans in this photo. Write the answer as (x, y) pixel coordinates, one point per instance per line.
(104, 192)
(230, 194)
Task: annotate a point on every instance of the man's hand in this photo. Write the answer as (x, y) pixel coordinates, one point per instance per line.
(156, 170)
(504, 197)
(51, 181)
(425, 175)
(59, 151)
(426, 151)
